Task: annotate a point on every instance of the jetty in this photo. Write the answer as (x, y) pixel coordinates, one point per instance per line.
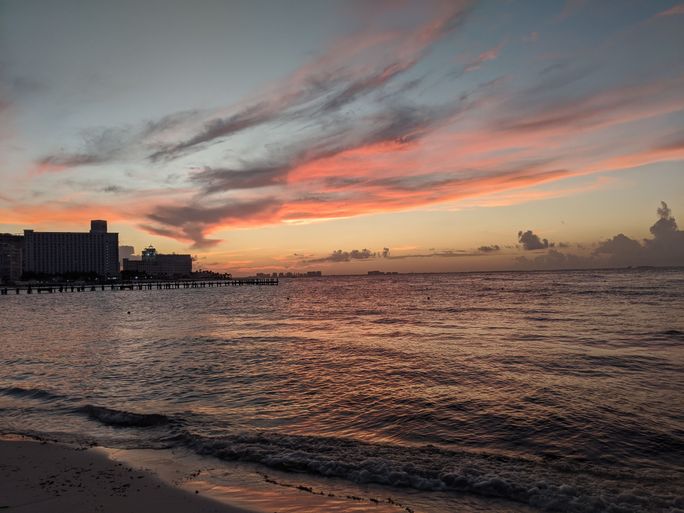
(51, 288)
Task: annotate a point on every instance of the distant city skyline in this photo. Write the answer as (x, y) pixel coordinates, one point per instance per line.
(349, 136)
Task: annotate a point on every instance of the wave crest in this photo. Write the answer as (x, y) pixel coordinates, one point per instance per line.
(559, 487)
(121, 418)
(31, 393)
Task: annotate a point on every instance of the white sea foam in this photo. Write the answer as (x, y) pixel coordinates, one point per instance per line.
(538, 484)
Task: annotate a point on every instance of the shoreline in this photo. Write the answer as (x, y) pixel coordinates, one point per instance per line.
(38, 476)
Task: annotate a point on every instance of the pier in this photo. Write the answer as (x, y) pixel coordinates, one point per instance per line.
(51, 288)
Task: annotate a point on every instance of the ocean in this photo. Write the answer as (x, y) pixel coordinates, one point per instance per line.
(520, 391)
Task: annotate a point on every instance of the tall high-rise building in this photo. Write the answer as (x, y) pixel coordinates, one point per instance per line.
(72, 252)
(11, 250)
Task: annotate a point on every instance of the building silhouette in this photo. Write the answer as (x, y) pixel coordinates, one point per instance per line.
(125, 252)
(11, 251)
(155, 264)
(54, 253)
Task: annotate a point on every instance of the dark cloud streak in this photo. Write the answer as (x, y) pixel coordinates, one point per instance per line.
(190, 222)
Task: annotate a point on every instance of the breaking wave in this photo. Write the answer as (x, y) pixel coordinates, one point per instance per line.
(673, 334)
(120, 418)
(550, 486)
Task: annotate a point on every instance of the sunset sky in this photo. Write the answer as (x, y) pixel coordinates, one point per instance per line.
(348, 136)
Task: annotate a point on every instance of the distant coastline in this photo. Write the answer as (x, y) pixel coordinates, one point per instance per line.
(497, 271)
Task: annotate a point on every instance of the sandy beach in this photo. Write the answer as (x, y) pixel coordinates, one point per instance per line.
(38, 476)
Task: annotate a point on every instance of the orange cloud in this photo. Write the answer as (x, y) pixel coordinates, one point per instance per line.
(388, 197)
(390, 155)
(57, 213)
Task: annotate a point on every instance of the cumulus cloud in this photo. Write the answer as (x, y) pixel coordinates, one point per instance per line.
(665, 248)
(489, 249)
(531, 241)
(621, 249)
(344, 256)
(665, 226)
(554, 259)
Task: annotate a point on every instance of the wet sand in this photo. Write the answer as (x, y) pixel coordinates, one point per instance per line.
(37, 476)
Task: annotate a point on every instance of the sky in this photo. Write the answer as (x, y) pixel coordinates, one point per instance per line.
(348, 136)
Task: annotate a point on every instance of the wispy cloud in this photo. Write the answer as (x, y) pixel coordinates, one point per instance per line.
(361, 128)
(489, 55)
(339, 256)
(435, 254)
(349, 69)
(612, 106)
(312, 195)
(60, 162)
(675, 10)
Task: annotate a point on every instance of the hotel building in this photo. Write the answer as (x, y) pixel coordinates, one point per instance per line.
(11, 249)
(95, 251)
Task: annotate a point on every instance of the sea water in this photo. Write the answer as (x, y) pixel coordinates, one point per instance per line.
(546, 391)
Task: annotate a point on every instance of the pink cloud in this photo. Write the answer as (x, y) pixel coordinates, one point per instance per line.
(512, 186)
(489, 55)
(446, 164)
(484, 142)
(675, 10)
